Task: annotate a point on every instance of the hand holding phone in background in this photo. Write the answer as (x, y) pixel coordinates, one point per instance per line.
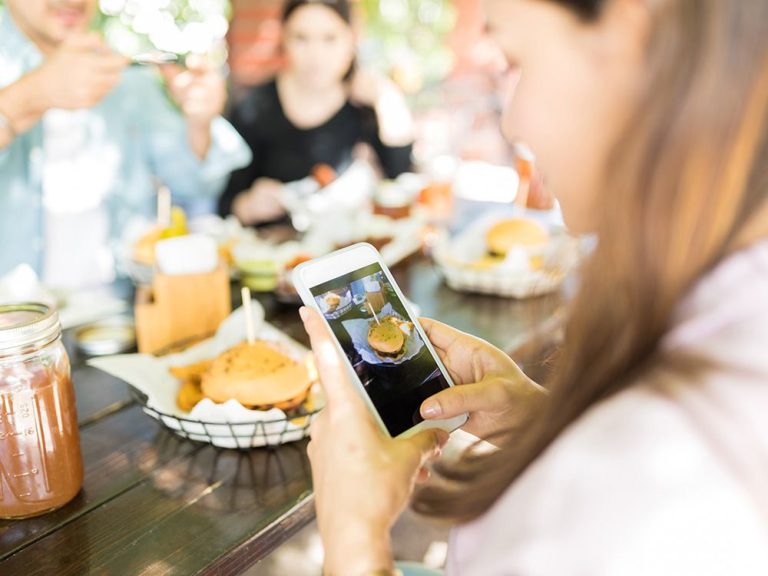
(80, 73)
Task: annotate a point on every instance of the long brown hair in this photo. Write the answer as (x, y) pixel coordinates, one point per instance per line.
(689, 171)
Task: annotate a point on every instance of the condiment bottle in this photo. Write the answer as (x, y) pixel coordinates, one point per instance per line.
(41, 465)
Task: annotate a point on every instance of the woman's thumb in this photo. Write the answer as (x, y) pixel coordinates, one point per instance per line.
(452, 402)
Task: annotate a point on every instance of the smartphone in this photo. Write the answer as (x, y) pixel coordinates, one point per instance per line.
(390, 358)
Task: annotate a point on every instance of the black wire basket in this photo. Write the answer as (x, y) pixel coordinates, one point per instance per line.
(235, 435)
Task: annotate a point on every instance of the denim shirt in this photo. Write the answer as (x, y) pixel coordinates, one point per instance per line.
(139, 120)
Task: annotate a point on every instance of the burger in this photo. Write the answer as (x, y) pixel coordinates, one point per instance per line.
(386, 338)
(257, 375)
(332, 300)
(510, 233)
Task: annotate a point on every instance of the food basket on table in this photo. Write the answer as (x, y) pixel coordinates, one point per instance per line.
(239, 434)
(225, 424)
(514, 257)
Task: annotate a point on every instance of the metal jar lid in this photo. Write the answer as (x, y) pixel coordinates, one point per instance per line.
(27, 325)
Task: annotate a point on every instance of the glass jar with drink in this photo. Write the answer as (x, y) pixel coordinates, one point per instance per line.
(41, 465)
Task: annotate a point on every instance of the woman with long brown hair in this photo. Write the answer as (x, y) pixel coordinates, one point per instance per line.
(649, 453)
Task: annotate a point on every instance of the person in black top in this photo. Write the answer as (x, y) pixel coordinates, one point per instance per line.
(313, 113)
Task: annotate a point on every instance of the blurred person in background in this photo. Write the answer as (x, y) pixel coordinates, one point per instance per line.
(649, 453)
(314, 113)
(84, 138)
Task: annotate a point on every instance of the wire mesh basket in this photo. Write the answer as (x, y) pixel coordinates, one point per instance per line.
(239, 435)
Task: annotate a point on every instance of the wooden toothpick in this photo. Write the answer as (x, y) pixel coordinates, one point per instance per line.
(163, 207)
(374, 313)
(250, 330)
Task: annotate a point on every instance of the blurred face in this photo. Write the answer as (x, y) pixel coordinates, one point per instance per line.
(319, 45)
(577, 84)
(48, 22)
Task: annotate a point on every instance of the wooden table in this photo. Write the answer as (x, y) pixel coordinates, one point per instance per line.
(153, 503)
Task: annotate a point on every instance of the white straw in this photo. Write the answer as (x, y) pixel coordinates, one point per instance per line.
(249, 328)
(164, 207)
(374, 313)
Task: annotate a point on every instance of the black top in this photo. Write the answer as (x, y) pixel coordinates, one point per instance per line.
(286, 153)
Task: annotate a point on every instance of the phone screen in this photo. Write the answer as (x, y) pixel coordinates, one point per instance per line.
(386, 351)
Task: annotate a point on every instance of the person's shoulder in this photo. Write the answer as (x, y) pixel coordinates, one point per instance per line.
(648, 451)
(644, 436)
(633, 487)
(257, 102)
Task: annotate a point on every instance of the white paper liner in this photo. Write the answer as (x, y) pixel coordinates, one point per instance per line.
(358, 331)
(227, 425)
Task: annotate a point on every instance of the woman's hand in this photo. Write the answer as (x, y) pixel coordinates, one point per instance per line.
(489, 385)
(261, 203)
(366, 87)
(362, 478)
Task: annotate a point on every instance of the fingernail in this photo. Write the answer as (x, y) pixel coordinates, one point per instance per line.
(431, 409)
(304, 313)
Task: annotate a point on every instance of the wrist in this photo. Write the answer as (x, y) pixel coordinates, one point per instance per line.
(242, 208)
(36, 92)
(394, 117)
(24, 102)
(199, 134)
(199, 125)
(359, 552)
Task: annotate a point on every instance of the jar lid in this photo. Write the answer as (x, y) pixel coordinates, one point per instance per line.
(28, 324)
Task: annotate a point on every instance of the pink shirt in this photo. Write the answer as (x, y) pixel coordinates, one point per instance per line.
(667, 478)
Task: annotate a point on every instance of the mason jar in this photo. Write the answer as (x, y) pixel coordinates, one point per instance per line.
(41, 466)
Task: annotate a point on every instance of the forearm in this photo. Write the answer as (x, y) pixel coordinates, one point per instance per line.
(199, 136)
(23, 103)
(394, 119)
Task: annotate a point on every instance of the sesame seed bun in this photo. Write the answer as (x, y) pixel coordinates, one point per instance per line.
(257, 375)
(386, 339)
(504, 235)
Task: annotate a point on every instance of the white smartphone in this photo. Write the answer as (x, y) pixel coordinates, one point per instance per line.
(392, 361)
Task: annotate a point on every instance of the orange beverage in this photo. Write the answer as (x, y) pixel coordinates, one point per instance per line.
(41, 467)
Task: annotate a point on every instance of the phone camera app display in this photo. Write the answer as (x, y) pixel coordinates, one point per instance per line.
(386, 351)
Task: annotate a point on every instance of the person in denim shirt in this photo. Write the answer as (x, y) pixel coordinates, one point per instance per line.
(85, 139)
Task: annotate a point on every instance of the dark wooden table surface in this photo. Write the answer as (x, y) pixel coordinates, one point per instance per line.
(153, 503)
